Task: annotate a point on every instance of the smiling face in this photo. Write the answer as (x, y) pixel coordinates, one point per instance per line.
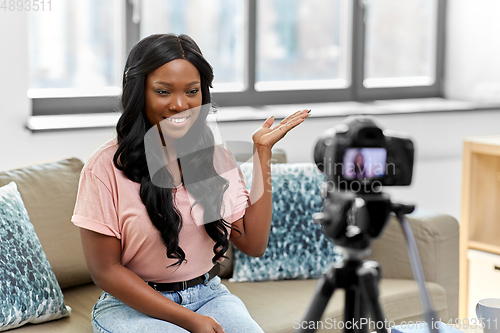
(173, 97)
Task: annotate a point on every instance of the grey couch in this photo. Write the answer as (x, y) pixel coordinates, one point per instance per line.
(49, 193)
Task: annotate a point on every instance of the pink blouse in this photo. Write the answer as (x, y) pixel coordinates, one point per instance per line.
(109, 203)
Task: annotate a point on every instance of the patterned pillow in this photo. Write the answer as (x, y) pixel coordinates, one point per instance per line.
(29, 292)
(297, 247)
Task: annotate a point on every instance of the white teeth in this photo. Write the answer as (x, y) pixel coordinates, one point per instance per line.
(177, 120)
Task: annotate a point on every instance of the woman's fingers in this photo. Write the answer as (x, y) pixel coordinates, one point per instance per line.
(287, 118)
(285, 128)
(269, 122)
(292, 122)
(299, 114)
(267, 136)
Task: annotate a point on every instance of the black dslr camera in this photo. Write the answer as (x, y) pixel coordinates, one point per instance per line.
(358, 156)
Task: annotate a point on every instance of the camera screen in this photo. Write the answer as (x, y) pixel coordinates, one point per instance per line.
(362, 163)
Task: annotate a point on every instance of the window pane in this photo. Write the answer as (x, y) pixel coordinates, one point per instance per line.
(78, 44)
(302, 44)
(400, 42)
(217, 26)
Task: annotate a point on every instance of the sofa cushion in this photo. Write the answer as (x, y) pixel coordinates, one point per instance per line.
(49, 194)
(297, 247)
(81, 299)
(29, 291)
(399, 299)
(278, 156)
(436, 236)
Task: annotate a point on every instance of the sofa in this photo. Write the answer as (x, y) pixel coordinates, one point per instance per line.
(49, 193)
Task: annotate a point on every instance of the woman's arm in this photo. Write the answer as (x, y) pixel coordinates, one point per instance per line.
(256, 224)
(103, 255)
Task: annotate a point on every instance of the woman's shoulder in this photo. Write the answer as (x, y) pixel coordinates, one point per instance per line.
(224, 160)
(102, 158)
(227, 166)
(223, 154)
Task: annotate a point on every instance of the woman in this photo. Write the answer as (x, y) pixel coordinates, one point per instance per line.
(359, 166)
(152, 241)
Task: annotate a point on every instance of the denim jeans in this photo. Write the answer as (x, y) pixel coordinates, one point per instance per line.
(211, 298)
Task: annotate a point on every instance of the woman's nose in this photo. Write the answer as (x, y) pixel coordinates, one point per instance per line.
(178, 103)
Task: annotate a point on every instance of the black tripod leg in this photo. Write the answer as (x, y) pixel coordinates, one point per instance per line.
(354, 311)
(369, 276)
(323, 292)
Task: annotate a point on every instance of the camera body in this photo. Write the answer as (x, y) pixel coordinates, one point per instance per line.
(359, 156)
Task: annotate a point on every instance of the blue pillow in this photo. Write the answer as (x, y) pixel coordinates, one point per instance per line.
(297, 247)
(29, 292)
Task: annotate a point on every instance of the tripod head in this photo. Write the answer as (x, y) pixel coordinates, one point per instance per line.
(354, 220)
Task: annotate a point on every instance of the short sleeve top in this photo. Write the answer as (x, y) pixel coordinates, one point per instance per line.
(109, 203)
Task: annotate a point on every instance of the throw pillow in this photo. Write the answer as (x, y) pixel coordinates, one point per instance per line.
(49, 194)
(297, 247)
(29, 292)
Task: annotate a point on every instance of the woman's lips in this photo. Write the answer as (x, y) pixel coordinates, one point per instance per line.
(179, 121)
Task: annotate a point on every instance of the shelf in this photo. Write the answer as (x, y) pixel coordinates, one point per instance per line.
(495, 249)
(484, 199)
(480, 216)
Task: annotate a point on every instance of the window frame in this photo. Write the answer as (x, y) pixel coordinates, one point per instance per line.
(355, 91)
(361, 93)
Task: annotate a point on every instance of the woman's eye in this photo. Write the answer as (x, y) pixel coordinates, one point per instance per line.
(162, 92)
(193, 92)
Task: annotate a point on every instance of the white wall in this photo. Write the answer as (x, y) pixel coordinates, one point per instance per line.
(438, 136)
(19, 146)
(473, 50)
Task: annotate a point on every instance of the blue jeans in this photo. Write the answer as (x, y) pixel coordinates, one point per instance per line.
(211, 298)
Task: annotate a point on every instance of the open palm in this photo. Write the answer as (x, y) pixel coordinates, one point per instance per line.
(267, 136)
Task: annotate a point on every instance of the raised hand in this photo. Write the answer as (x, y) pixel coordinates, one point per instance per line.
(267, 136)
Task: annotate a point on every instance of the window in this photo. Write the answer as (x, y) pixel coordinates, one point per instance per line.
(76, 49)
(302, 44)
(217, 26)
(402, 56)
(401, 49)
(263, 51)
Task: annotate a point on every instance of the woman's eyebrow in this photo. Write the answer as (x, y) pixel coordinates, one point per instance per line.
(170, 84)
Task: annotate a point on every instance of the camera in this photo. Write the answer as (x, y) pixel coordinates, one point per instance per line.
(357, 158)
(358, 155)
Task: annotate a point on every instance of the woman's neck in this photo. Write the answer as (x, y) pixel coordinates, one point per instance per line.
(170, 159)
(168, 147)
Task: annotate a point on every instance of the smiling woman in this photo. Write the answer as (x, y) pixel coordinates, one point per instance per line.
(154, 247)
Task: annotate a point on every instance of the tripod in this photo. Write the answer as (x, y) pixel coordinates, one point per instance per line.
(359, 279)
(352, 221)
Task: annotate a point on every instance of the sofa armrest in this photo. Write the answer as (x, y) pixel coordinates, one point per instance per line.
(437, 242)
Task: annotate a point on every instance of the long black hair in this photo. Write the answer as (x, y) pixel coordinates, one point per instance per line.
(145, 57)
